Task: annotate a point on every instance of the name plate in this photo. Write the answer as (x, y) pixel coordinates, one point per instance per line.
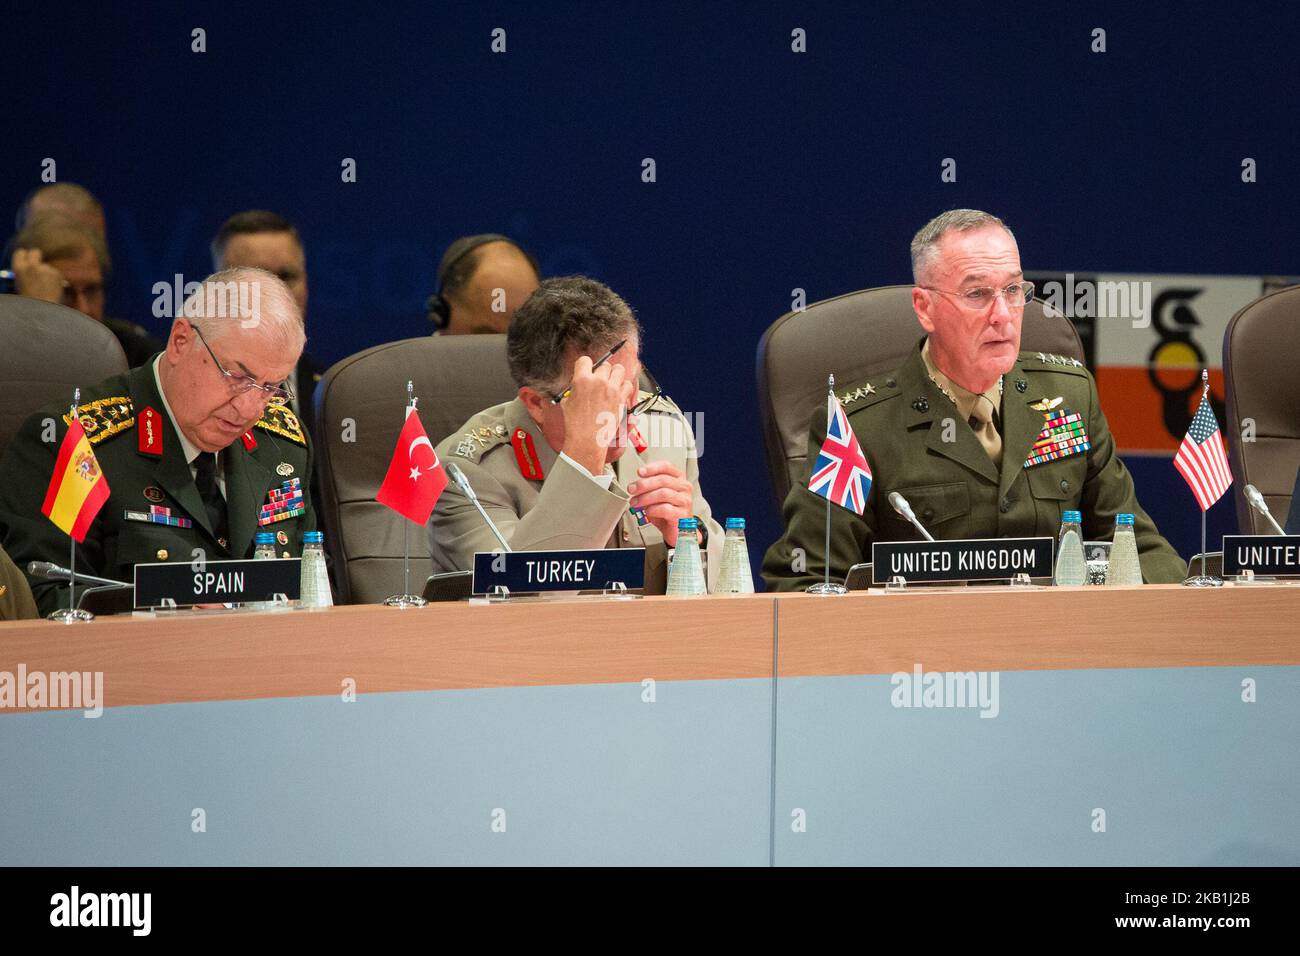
(1267, 554)
(523, 571)
(220, 582)
(971, 559)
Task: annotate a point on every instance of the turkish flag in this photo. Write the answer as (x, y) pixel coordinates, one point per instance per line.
(415, 477)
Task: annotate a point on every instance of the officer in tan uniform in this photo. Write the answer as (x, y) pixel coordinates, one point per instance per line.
(606, 466)
(198, 449)
(984, 441)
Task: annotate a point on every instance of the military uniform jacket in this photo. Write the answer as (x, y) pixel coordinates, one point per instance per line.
(542, 502)
(118, 416)
(917, 444)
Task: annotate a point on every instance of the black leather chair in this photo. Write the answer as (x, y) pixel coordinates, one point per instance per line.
(1261, 351)
(47, 351)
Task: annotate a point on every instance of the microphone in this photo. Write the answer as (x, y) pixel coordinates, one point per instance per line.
(903, 508)
(1257, 502)
(458, 476)
(52, 572)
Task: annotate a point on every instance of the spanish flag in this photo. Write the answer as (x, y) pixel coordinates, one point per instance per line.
(78, 488)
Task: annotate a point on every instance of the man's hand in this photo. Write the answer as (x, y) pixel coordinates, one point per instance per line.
(666, 495)
(36, 278)
(593, 410)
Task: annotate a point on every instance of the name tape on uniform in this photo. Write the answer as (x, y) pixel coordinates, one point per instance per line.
(1267, 554)
(523, 571)
(970, 559)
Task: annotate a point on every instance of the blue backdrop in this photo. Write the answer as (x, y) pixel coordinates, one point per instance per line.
(775, 170)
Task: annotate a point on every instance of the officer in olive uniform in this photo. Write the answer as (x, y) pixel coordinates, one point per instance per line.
(167, 496)
(1003, 461)
(954, 487)
(145, 465)
(541, 501)
(15, 594)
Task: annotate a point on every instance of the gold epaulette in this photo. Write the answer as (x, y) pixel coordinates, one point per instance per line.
(280, 420)
(104, 417)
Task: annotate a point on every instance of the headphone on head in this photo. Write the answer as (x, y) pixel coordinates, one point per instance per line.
(437, 306)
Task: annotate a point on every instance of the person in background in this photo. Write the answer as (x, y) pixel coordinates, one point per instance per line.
(482, 280)
(61, 259)
(258, 239)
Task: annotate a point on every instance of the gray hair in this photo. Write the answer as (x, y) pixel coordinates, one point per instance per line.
(571, 312)
(924, 243)
(251, 298)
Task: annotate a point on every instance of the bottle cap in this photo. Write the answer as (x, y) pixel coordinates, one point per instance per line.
(736, 523)
(263, 537)
(1123, 518)
(1071, 517)
(313, 537)
(686, 524)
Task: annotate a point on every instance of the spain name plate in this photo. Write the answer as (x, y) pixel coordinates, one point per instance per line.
(216, 582)
(525, 571)
(1266, 554)
(969, 559)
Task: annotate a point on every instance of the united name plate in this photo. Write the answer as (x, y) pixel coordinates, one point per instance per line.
(1270, 555)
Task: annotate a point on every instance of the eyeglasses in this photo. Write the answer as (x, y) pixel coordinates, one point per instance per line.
(1017, 296)
(639, 408)
(241, 384)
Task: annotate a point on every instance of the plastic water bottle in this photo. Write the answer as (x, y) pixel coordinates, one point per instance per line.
(263, 550)
(315, 578)
(263, 546)
(734, 576)
(1071, 569)
(1124, 567)
(686, 574)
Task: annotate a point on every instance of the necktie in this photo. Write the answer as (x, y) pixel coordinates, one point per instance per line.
(205, 476)
(981, 422)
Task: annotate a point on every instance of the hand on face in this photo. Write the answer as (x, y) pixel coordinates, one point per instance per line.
(593, 412)
(666, 494)
(36, 278)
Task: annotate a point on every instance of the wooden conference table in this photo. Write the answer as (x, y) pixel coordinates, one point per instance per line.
(1151, 725)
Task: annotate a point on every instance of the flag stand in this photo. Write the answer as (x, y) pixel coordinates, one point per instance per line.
(71, 614)
(826, 589)
(1203, 580)
(406, 598)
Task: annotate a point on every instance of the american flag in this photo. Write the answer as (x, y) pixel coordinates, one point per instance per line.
(841, 472)
(1201, 459)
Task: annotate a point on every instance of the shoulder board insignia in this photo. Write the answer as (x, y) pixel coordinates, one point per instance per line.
(479, 439)
(104, 417)
(1057, 360)
(280, 420)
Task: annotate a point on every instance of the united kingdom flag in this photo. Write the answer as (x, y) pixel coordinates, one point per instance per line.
(841, 472)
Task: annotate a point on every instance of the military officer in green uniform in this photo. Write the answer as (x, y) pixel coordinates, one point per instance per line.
(193, 444)
(605, 466)
(983, 441)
